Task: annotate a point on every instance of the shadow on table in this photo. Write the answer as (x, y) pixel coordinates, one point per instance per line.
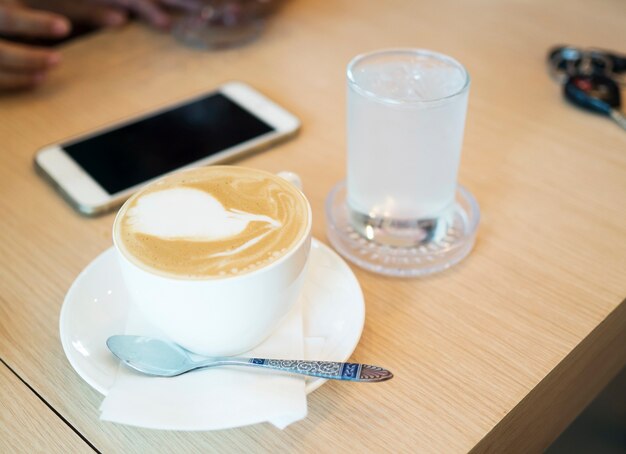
(601, 427)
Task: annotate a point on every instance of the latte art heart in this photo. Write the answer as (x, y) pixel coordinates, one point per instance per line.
(212, 222)
(191, 214)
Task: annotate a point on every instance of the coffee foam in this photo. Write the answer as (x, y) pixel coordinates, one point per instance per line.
(211, 222)
(189, 213)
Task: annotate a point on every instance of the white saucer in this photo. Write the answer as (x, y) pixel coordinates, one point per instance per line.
(97, 304)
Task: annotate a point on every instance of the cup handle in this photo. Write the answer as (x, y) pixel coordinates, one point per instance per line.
(292, 178)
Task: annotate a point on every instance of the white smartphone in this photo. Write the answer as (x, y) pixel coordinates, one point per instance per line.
(98, 171)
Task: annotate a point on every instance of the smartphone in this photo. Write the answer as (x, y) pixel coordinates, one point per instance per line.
(96, 172)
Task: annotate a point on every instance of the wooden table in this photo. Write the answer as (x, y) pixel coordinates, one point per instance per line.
(499, 353)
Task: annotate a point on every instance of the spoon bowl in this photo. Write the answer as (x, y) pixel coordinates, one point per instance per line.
(150, 355)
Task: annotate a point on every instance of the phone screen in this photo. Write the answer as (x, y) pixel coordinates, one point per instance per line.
(138, 152)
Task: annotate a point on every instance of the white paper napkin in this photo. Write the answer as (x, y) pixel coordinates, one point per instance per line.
(217, 398)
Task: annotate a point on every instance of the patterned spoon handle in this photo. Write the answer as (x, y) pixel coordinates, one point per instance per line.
(323, 369)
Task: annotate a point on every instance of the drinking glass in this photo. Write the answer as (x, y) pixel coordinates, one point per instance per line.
(401, 211)
(215, 24)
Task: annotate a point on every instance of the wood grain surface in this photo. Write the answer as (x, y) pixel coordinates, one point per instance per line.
(499, 353)
(28, 425)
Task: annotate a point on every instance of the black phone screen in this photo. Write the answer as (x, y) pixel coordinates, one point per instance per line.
(140, 151)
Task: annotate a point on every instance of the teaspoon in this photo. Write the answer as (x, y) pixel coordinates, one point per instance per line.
(162, 358)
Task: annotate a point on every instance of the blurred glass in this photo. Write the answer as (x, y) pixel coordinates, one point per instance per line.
(216, 24)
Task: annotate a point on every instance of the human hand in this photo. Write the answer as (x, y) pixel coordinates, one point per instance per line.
(23, 66)
(109, 13)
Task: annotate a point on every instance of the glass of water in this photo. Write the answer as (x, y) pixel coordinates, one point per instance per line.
(400, 210)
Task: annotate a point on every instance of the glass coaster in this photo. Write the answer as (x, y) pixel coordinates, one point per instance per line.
(431, 255)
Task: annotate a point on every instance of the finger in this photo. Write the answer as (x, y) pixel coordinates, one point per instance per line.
(104, 16)
(15, 20)
(147, 10)
(88, 12)
(13, 81)
(19, 57)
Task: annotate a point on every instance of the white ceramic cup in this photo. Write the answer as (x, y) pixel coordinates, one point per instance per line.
(219, 316)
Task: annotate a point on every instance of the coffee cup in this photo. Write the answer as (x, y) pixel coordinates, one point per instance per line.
(215, 257)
